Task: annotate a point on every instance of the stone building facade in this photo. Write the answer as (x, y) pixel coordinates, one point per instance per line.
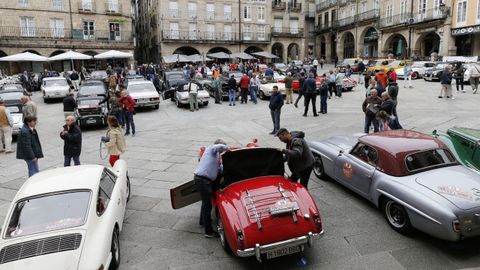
(466, 28)
(50, 27)
(376, 29)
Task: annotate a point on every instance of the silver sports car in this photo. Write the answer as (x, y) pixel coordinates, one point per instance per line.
(412, 177)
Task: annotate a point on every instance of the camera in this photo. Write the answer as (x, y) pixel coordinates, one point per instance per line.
(105, 139)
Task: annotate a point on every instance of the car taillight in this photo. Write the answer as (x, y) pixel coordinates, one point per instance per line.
(456, 225)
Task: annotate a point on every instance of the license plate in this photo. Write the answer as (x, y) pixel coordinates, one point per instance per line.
(143, 100)
(91, 121)
(283, 251)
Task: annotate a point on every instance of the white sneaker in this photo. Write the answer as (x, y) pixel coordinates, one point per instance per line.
(452, 98)
(475, 91)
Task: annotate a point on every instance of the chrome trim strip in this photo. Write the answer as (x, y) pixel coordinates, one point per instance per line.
(258, 250)
(409, 206)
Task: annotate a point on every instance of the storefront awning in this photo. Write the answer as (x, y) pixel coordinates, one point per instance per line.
(468, 30)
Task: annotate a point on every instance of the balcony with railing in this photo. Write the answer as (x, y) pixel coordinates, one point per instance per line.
(325, 27)
(294, 7)
(325, 4)
(310, 14)
(345, 2)
(395, 20)
(368, 15)
(278, 5)
(37, 33)
(86, 7)
(287, 32)
(346, 21)
(429, 15)
(214, 36)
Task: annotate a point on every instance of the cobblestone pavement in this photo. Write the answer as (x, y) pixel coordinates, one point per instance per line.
(164, 154)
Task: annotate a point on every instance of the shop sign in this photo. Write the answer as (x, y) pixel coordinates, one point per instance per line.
(466, 30)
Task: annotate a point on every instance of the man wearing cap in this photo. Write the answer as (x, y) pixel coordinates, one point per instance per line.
(298, 154)
(206, 173)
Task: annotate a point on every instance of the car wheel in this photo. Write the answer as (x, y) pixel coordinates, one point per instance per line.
(157, 107)
(396, 216)
(414, 76)
(205, 103)
(318, 168)
(178, 103)
(129, 188)
(261, 95)
(45, 100)
(115, 250)
(223, 239)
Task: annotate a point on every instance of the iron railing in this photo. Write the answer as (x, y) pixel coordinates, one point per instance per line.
(344, 2)
(295, 7)
(326, 4)
(396, 20)
(63, 33)
(346, 21)
(287, 31)
(278, 5)
(214, 36)
(368, 15)
(429, 15)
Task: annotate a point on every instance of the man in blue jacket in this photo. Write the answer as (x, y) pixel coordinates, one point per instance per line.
(276, 103)
(28, 145)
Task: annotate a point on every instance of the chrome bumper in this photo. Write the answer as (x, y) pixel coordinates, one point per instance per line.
(258, 250)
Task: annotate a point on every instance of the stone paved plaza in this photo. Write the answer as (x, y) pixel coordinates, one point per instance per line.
(164, 152)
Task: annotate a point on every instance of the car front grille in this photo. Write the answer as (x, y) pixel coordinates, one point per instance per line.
(40, 247)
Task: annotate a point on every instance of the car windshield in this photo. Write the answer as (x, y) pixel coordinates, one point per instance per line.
(99, 74)
(348, 62)
(429, 159)
(144, 87)
(11, 95)
(184, 87)
(55, 83)
(13, 87)
(175, 76)
(88, 102)
(91, 90)
(419, 65)
(13, 109)
(395, 63)
(50, 212)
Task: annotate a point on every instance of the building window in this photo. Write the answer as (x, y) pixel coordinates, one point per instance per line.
(326, 22)
(294, 26)
(478, 10)
(174, 34)
(247, 32)
(57, 4)
(192, 31)
(227, 12)
(210, 11)
(57, 27)
(88, 30)
(261, 32)
(403, 10)
(247, 13)
(363, 6)
(112, 5)
(422, 9)
(376, 4)
(210, 31)
(114, 29)
(192, 10)
(173, 9)
(23, 3)
(27, 26)
(87, 5)
(261, 14)
(227, 32)
(462, 11)
(389, 14)
(352, 10)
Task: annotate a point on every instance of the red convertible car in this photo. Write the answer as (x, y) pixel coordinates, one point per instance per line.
(259, 211)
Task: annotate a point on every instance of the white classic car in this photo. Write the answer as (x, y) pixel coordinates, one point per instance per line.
(12, 99)
(181, 95)
(67, 218)
(144, 94)
(54, 88)
(418, 69)
(266, 89)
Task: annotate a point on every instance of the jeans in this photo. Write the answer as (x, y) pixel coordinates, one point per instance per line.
(253, 93)
(32, 165)
(244, 94)
(218, 95)
(300, 95)
(332, 88)
(129, 122)
(395, 124)
(6, 138)
(119, 115)
(474, 83)
(459, 83)
(192, 99)
(275, 119)
(68, 160)
(369, 120)
(303, 176)
(310, 97)
(339, 90)
(323, 103)
(231, 96)
(204, 187)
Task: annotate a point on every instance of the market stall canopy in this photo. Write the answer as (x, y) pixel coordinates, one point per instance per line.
(219, 55)
(113, 54)
(265, 55)
(242, 55)
(24, 57)
(198, 58)
(175, 58)
(70, 55)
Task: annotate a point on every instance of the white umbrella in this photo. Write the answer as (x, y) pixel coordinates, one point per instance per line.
(198, 58)
(242, 55)
(24, 57)
(265, 55)
(176, 58)
(70, 55)
(219, 55)
(113, 54)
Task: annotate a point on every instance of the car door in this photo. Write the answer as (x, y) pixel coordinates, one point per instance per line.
(184, 195)
(109, 194)
(356, 168)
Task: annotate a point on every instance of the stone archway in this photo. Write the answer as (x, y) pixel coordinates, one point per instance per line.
(427, 44)
(348, 42)
(277, 49)
(32, 51)
(59, 65)
(370, 43)
(253, 49)
(293, 52)
(397, 45)
(219, 49)
(186, 50)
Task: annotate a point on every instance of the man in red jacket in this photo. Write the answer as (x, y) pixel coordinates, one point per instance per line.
(244, 83)
(128, 107)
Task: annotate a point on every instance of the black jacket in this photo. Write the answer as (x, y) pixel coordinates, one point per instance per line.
(393, 90)
(361, 66)
(74, 76)
(388, 106)
(301, 82)
(446, 77)
(69, 104)
(324, 89)
(298, 153)
(232, 84)
(310, 86)
(276, 101)
(73, 141)
(28, 144)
